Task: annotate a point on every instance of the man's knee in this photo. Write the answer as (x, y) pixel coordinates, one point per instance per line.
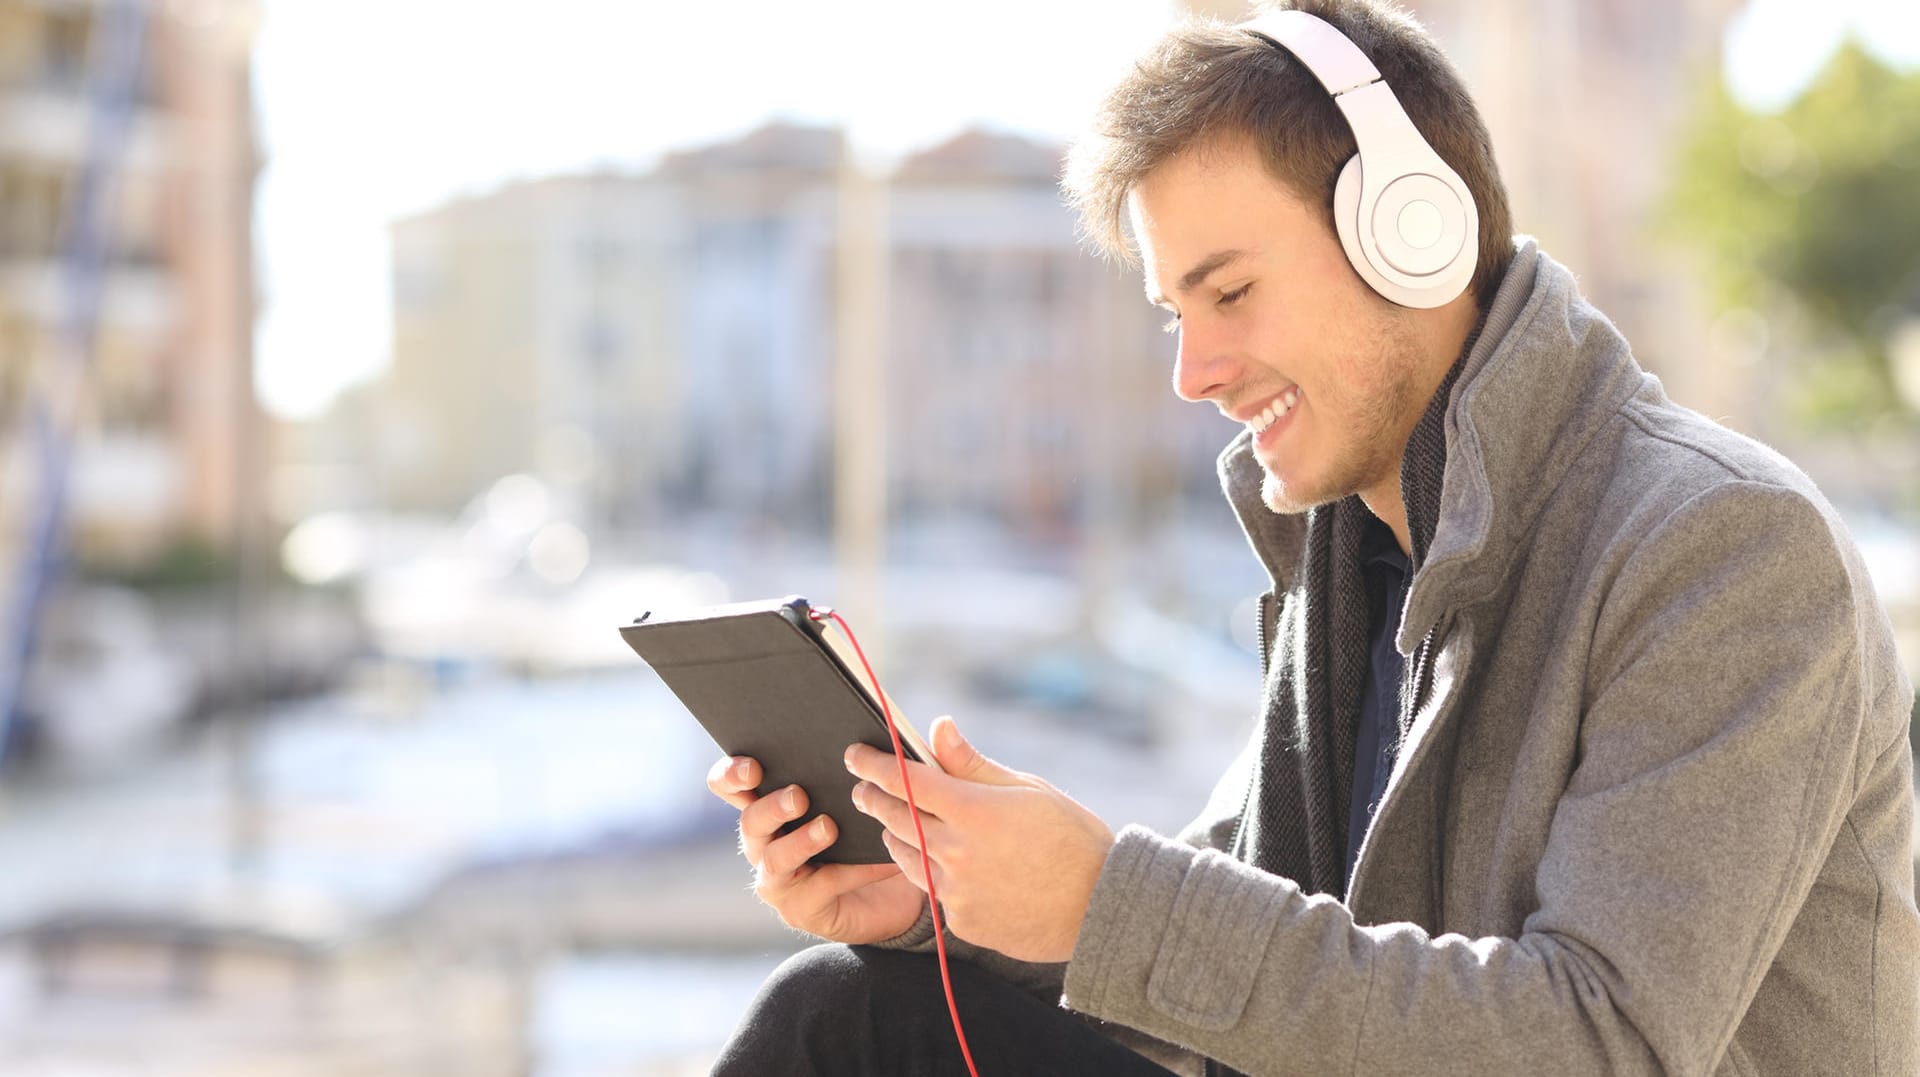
(828, 976)
(848, 981)
(833, 1000)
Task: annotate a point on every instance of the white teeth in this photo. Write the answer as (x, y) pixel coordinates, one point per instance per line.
(1272, 412)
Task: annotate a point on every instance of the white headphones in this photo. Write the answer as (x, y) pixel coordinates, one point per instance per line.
(1408, 223)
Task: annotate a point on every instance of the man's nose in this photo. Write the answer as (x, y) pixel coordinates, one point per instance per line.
(1202, 369)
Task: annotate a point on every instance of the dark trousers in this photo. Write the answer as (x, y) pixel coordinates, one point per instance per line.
(842, 1010)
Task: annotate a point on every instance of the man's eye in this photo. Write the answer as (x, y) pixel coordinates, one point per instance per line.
(1228, 298)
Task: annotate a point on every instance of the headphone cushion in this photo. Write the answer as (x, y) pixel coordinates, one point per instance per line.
(1346, 218)
(1447, 284)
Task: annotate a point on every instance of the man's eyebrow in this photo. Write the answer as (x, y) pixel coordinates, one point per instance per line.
(1205, 268)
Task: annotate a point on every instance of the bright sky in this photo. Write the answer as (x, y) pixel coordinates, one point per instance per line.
(1775, 47)
(373, 109)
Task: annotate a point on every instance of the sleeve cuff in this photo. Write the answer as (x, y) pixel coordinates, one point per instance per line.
(918, 938)
(1173, 932)
(1129, 908)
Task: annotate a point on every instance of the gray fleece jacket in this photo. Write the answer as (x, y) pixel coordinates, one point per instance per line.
(1654, 817)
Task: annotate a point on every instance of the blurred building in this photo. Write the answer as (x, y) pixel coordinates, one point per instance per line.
(168, 398)
(1586, 104)
(533, 333)
(677, 328)
(632, 339)
(1028, 377)
(755, 301)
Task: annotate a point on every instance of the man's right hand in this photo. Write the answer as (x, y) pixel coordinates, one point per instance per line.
(852, 903)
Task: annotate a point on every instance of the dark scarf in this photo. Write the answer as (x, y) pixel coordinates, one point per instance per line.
(1297, 822)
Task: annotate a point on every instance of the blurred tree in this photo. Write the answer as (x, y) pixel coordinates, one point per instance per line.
(1819, 205)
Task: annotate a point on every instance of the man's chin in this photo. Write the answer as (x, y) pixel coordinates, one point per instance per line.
(1285, 498)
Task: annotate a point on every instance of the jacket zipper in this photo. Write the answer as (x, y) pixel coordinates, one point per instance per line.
(1421, 684)
(1410, 705)
(1422, 690)
(1260, 636)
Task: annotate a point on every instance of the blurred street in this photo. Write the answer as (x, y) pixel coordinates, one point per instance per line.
(544, 851)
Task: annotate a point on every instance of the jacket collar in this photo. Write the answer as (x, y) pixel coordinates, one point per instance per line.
(1546, 373)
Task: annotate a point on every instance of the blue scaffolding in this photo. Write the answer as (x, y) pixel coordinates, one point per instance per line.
(52, 405)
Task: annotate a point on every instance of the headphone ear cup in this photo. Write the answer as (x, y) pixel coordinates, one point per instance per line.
(1347, 222)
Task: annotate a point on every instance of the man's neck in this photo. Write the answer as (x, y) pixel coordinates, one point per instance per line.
(1448, 337)
(1391, 509)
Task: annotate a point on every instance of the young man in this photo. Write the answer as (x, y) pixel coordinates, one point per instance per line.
(1583, 747)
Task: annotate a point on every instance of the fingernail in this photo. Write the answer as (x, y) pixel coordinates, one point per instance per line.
(740, 770)
(818, 828)
(860, 795)
(790, 800)
(848, 759)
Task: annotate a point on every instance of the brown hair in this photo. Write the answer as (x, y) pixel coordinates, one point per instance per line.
(1208, 80)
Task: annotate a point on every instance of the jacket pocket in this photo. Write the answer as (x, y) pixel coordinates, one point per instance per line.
(1204, 971)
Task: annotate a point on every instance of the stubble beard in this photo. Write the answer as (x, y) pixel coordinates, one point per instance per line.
(1351, 474)
(1377, 435)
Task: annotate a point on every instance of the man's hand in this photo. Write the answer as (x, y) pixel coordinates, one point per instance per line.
(1014, 859)
(851, 903)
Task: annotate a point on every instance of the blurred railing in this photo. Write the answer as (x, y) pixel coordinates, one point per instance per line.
(55, 390)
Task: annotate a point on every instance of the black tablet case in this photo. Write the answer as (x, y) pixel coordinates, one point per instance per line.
(762, 681)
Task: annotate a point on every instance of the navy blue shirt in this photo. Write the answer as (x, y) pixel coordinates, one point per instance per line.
(1385, 570)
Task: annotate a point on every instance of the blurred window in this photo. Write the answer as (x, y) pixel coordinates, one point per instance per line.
(138, 227)
(1046, 290)
(416, 284)
(32, 205)
(127, 389)
(1049, 435)
(16, 45)
(964, 436)
(16, 354)
(63, 56)
(599, 339)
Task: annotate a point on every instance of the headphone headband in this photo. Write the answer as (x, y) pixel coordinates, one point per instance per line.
(1337, 62)
(1407, 221)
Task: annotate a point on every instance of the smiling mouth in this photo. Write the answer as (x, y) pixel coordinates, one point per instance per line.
(1274, 412)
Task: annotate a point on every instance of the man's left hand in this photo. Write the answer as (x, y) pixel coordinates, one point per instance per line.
(1014, 859)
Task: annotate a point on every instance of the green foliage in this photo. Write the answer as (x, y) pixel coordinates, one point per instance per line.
(1843, 390)
(1821, 203)
(188, 563)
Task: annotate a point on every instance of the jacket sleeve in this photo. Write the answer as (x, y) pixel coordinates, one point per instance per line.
(1729, 698)
(1213, 828)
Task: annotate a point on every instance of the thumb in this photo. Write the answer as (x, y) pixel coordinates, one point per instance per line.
(962, 760)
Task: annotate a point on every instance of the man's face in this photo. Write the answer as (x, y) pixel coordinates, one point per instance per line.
(1276, 329)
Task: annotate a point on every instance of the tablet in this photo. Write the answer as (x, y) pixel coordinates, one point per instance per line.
(770, 681)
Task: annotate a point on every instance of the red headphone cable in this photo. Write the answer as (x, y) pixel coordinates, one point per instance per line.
(926, 864)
